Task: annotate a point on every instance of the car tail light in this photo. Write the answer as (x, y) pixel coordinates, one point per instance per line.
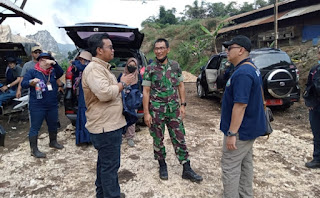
(69, 76)
(140, 111)
(69, 112)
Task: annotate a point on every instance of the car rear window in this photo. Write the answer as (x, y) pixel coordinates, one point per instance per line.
(115, 36)
(270, 59)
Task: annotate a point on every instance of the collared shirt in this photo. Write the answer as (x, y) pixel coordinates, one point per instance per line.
(163, 79)
(102, 97)
(244, 86)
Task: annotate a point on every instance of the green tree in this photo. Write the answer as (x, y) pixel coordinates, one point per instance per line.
(213, 35)
(231, 9)
(149, 20)
(216, 10)
(167, 16)
(72, 54)
(260, 4)
(246, 7)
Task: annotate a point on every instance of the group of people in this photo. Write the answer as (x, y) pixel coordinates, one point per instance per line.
(41, 77)
(242, 116)
(101, 121)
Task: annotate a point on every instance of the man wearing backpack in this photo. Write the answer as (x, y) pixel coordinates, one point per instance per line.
(312, 101)
(242, 119)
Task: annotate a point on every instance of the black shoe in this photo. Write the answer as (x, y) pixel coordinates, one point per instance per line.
(163, 172)
(189, 174)
(192, 176)
(313, 164)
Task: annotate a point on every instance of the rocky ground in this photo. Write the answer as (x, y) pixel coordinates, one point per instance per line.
(279, 169)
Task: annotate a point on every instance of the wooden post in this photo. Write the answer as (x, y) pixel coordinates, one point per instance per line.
(276, 24)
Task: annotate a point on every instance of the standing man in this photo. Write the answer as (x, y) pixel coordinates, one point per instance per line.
(161, 83)
(242, 119)
(105, 121)
(312, 100)
(35, 52)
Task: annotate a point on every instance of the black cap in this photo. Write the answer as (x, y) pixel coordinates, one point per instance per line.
(45, 55)
(11, 60)
(241, 40)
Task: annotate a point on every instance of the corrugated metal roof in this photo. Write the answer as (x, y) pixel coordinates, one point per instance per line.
(301, 11)
(254, 11)
(18, 12)
(264, 20)
(270, 19)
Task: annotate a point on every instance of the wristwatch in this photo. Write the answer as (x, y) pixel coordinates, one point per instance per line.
(124, 84)
(229, 133)
(183, 104)
(8, 85)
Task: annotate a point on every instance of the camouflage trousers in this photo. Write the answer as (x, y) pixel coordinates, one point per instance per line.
(171, 118)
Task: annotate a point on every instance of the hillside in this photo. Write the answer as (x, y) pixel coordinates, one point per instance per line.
(192, 48)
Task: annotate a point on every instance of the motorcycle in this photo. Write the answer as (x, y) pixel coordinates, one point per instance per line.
(16, 107)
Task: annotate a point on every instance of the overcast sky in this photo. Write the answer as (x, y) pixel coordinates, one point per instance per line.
(54, 13)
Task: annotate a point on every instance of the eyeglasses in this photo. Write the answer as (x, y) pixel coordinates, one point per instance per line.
(110, 47)
(230, 48)
(37, 52)
(159, 49)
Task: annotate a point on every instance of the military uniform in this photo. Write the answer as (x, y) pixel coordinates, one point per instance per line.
(164, 108)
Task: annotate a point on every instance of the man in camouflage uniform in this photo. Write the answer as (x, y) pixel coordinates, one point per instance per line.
(162, 81)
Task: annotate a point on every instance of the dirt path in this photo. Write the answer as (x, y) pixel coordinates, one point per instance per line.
(279, 161)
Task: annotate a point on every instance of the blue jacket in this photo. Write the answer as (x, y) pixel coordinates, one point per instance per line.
(132, 100)
(49, 99)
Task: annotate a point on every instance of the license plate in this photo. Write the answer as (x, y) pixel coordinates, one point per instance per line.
(274, 102)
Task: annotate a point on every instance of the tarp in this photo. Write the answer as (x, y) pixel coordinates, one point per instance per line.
(310, 32)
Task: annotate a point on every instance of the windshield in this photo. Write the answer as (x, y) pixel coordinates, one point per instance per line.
(270, 59)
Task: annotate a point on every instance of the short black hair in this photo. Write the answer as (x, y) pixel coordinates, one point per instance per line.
(159, 40)
(95, 41)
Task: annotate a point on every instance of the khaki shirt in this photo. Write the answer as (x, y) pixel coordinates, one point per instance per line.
(102, 97)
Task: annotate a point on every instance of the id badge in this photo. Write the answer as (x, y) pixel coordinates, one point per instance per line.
(49, 87)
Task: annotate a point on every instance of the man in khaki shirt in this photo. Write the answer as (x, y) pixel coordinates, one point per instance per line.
(105, 121)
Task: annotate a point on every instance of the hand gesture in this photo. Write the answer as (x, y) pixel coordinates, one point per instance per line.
(127, 78)
(4, 88)
(34, 81)
(50, 62)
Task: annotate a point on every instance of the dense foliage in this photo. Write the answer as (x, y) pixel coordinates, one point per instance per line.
(192, 34)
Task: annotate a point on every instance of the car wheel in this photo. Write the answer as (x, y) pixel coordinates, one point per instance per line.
(200, 90)
(280, 83)
(73, 122)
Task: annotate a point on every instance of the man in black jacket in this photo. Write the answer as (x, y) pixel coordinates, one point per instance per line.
(312, 101)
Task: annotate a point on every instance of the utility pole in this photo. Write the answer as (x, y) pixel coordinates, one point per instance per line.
(276, 24)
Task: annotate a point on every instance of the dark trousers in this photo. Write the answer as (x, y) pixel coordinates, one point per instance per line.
(38, 115)
(314, 117)
(108, 145)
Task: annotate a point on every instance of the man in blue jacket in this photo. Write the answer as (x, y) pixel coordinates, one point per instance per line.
(242, 119)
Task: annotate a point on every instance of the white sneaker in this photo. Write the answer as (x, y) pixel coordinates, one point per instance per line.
(131, 142)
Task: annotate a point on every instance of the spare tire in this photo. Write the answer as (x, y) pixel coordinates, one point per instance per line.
(280, 83)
